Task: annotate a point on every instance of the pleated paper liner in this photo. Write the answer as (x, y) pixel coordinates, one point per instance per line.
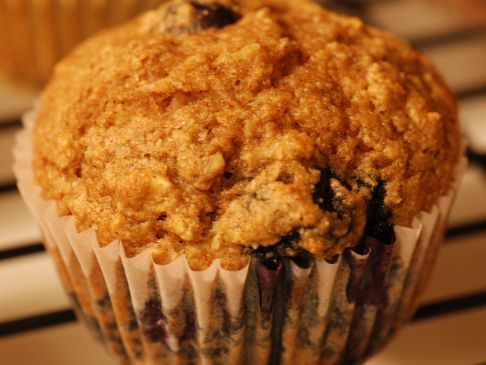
(335, 312)
(35, 34)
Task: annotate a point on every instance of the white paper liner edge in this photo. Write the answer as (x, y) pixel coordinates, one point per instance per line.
(61, 232)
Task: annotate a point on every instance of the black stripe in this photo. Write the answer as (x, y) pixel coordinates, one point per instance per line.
(6, 188)
(476, 158)
(472, 92)
(450, 306)
(466, 229)
(21, 251)
(36, 322)
(14, 123)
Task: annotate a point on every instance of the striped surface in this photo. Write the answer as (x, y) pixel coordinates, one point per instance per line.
(37, 325)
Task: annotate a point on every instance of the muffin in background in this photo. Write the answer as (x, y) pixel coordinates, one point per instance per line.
(35, 34)
(243, 182)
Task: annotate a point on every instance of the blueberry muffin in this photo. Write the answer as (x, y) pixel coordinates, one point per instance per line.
(272, 136)
(213, 130)
(35, 34)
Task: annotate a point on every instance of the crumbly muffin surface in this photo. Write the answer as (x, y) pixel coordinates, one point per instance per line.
(206, 127)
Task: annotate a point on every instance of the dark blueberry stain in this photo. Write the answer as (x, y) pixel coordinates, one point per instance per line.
(104, 303)
(152, 320)
(333, 260)
(378, 220)
(323, 194)
(213, 15)
(132, 325)
(272, 256)
(303, 259)
(289, 240)
(361, 248)
(228, 175)
(205, 16)
(266, 256)
(325, 197)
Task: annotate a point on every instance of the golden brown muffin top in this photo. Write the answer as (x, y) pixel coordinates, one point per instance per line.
(206, 127)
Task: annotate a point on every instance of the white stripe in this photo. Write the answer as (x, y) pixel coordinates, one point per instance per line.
(473, 118)
(67, 344)
(470, 203)
(17, 227)
(452, 340)
(463, 63)
(459, 270)
(28, 286)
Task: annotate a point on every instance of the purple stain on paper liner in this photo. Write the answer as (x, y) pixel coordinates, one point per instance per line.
(380, 260)
(267, 283)
(357, 265)
(152, 321)
(368, 274)
(221, 302)
(190, 328)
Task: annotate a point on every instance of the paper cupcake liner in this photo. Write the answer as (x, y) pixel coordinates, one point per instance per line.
(35, 34)
(335, 312)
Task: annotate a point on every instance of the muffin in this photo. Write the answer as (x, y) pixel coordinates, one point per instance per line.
(243, 182)
(35, 34)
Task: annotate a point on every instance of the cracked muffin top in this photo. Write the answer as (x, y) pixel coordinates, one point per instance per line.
(223, 129)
